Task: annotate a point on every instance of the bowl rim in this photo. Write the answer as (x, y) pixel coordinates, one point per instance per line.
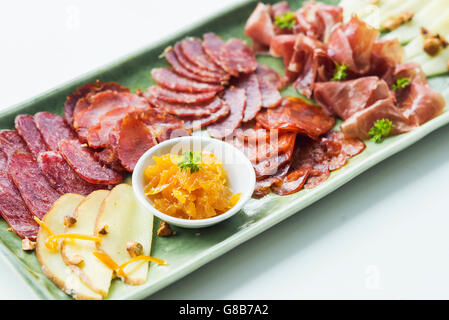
(139, 168)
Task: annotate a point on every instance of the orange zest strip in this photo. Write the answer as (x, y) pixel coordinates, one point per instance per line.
(142, 258)
(43, 225)
(108, 262)
(51, 243)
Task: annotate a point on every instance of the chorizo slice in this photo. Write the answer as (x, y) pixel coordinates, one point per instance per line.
(81, 159)
(167, 78)
(270, 166)
(27, 129)
(53, 129)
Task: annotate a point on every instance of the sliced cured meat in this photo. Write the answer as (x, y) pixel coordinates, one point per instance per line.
(132, 140)
(82, 160)
(36, 191)
(318, 174)
(250, 84)
(212, 45)
(271, 97)
(61, 176)
(270, 166)
(3, 162)
(253, 132)
(108, 158)
(344, 98)
(350, 146)
(270, 76)
(11, 141)
(360, 123)
(352, 44)
(279, 9)
(262, 187)
(179, 97)
(192, 48)
(14, 210)
(53, 129)
(259, 25)
(164, 126)
(292, 182)
(298, 116)
(102, 103)
(85, 91)
(181, 69)
(27, 129)
(237, 58)
(193, 123)
(169, 79)
(235, 98)
(187, 110)
(386, 55)
(310, 63)
(283, 46)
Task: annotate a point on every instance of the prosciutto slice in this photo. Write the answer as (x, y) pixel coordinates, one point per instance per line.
(27, 129)
(259, 25)
(284, 46)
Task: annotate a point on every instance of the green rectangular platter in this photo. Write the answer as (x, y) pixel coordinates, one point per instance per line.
(187, 251)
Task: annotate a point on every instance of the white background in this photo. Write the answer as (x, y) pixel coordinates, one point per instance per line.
(383, 235)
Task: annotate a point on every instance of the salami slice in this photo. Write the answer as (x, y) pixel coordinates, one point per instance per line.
(85, 91)
(53, 129)
(237, 58)
(263, 186)
(11, 141)
(187, 110)
(212, 45)
(292, 182)
(164, 126)
(102, 103)
(81, 159)
(179, 97)
(250, 84)
(3, 162)
(270, 166)
(193, 123)
(61, 176)
(350, 146)
(297, 115)
(27, 129)
(169, 79)
(235, 98)
(132, 140)
(181, 69)
(192, 48)
(14, 210)
(36, 191)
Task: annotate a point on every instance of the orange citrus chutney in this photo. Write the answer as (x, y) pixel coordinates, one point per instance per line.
(191, 186)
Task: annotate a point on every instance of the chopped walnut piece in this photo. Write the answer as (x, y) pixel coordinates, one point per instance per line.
(75, 260)
(69, 221)
(10, 229)
(433, 42)
(165, 230)
(103, 231)
(134, 249)
(397, 21)
(28, 245)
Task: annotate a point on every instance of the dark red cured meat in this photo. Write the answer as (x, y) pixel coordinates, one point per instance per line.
(262, 187)
(132, 140)
(292, 182)
(250, 84)
(36, 191)
(182, 70)
(270, 166)
(53, 129)
(235, 98)
(252, 131)
(164, 126)
(350, 146)
(187, 110)
(85, 91)
(192, 123)
(81, 159)
(61, 176)
(3, 162)
(169, 79)
(271, 97)
(297, 115)
(270, 75)
(14, 210)
(212, 45)
(179, 97)
(27, 129)
(102, 103)
(237, 58)
(109, 158)
(11, 141)
(192, 48)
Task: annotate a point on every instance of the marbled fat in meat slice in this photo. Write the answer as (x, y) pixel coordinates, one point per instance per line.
(187, 110)
(179, 97)
(250, 84)
(237, 58)
(11, 141)
(53, 129)
(36, 191)
(27, 129)
(167, 78)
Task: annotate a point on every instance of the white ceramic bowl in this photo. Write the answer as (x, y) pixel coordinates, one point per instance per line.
(240, 173)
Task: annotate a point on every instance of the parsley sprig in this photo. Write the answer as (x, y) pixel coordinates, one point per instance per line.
(401, 83)
(380, 130)
(285, 21)
(340, 72)
(190, 161)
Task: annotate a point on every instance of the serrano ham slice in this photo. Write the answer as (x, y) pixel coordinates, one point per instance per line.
(283, 45)
(193, 123)
(236, 99)
(187, 110)
(14, 210)
(11, 141)
(237, 58)
(61, 176)
(179, 97)
(250, 84)
(344, 98)
(298, 116)
(169, 79)
(53, 129)
(27, 129)
(81, 159)
(259, 25)
(192, 48)
(36, 191)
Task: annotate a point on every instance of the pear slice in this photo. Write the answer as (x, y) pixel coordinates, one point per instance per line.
(51, 261)
(125, 221)
(78, 254)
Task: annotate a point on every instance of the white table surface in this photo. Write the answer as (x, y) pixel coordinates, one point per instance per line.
(384, 235)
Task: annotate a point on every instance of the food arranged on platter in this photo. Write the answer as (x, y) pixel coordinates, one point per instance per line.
(61, 178)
